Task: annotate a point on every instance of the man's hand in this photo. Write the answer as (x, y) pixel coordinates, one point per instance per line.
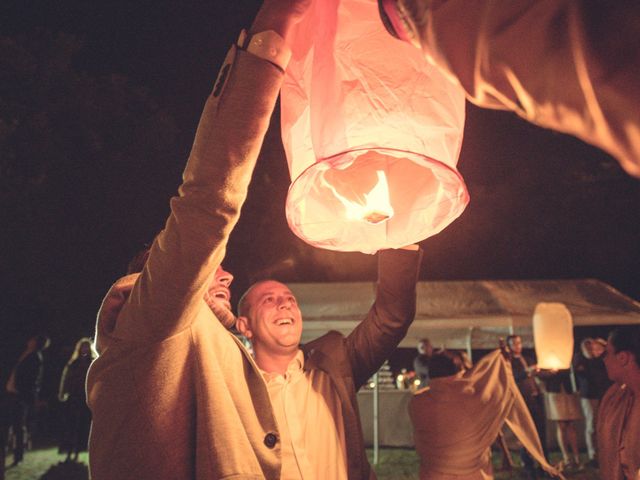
(280, 15)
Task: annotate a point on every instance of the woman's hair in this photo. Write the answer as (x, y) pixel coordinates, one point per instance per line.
(76, 350)
(584, 347)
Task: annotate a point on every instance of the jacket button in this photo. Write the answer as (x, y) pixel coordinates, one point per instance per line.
(270, 440)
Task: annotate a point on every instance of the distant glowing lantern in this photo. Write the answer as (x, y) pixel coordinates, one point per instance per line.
(372, 134)
(553, 335)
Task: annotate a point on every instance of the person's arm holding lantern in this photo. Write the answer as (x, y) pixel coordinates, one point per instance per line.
(568, 65)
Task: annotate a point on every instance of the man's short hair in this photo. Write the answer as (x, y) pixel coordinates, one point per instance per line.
(243, 303)
(443, 364)
(627, 339)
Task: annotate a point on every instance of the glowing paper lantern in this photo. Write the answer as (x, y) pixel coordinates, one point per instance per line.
(372, 134)
(553, 335)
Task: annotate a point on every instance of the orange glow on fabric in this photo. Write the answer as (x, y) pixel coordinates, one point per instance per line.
(372, 134)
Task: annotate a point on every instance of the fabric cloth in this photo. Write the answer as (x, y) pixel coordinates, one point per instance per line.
(174, 395)
(562, 406)
(568, 65)
(457, 418)
(560, 401)
(310, 422)
(618, 433)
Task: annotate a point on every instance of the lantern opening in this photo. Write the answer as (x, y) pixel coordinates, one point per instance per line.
(375, 207)
(370, 199)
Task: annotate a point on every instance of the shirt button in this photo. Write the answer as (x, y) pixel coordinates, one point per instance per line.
(270, 440)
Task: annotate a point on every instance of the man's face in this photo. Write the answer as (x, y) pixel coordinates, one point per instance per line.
(218, 297)
(613, 362)
(516, 345)
(425, 348)
(275, 321)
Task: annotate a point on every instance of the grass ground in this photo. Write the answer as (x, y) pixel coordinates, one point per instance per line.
(403, 464)
(394, 464)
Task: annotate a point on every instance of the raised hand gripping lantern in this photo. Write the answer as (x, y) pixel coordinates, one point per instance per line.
(372, 134)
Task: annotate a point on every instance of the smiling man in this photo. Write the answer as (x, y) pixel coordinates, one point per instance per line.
(173, 393)
(312, 389)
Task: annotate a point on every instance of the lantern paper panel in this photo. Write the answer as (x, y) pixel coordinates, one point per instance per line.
(553, 336)
(372, 134)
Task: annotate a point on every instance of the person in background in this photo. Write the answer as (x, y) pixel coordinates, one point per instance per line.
(592, 382)
(524, 373)
(562, 406)
(459, 415)
(23, 389)
(618, 426)
(568, 65)
(421, 362)
(76, 414)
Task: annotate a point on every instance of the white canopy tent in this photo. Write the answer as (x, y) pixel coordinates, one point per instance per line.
(454, 314)
(466, 314)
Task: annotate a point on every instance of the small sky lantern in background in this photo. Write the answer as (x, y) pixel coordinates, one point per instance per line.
(372, 134)
(553, 336)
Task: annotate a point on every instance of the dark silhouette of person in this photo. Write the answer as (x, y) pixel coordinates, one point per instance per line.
(23, 388)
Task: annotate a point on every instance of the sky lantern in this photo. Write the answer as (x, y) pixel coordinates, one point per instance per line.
(372, 134)
(553, 335)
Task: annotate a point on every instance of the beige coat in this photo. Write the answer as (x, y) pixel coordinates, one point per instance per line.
(569, 65)
(174, 395)
(457, 418)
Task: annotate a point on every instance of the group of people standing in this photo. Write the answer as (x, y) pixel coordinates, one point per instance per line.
(554, 396)
(23, 398)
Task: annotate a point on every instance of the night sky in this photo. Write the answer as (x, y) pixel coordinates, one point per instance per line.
(98, 107)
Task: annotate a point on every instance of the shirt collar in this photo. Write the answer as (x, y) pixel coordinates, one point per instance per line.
(295, 368)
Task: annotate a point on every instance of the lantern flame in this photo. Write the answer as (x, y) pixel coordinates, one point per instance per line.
(377, 205)
(551, 362)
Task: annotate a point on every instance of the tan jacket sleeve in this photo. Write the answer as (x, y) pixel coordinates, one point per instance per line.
(567, 65)
(186, 254)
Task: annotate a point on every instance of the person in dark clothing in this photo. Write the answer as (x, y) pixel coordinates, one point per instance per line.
(421, 362)
(524, 371)
(592, 383)
(23, 388)
(72, 393)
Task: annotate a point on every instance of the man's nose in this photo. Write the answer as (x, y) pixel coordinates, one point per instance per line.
(223, 277)
(284, 302)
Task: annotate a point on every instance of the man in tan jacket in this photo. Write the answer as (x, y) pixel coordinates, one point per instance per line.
(174, 395)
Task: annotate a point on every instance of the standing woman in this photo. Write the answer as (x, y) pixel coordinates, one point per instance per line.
(72, 394)
(563, 407)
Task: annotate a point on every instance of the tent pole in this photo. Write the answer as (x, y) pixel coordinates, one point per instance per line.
(376, 445)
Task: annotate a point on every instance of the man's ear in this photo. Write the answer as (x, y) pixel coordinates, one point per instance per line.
(625, 357)
(242, 325)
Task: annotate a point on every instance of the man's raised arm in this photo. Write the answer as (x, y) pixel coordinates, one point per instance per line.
(187, 252)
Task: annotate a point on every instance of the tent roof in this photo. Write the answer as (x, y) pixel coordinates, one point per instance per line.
(466, 314)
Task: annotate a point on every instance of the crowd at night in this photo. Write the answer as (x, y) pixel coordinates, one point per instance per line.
(99, 107)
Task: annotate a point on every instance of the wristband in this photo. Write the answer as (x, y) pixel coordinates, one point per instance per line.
(267, 45)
